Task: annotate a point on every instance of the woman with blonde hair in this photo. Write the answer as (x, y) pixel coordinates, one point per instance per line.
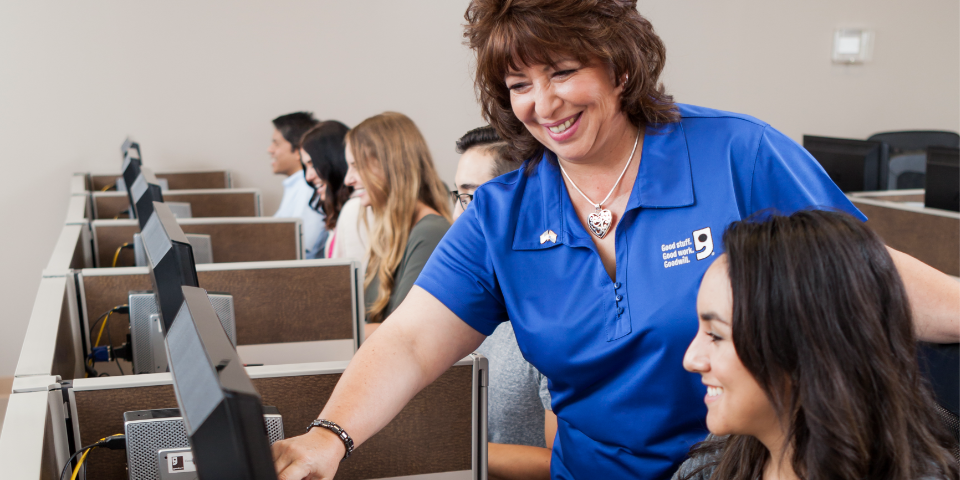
(390, 169)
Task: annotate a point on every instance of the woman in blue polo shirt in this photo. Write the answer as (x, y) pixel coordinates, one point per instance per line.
(597, 245)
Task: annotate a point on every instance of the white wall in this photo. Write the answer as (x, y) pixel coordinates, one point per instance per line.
(197, 85)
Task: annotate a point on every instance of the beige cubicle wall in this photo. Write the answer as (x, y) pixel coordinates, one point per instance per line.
(440, 434)
(286, 312)
(72, 251)
(33, 442)
(175, 180)
(79, 184)
(248, 239)
(52, 344)
(929, 234)
(232, 202)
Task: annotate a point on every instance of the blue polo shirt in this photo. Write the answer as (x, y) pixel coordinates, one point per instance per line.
(613, 349)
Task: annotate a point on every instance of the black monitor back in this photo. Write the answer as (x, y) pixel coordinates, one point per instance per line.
(144, 191)
(130, 170)
(222, 411)
(943, 179)
(854, 165)
(170, 258)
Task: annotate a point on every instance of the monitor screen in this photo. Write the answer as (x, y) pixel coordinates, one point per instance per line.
(143, 192)
(222, 411)
(943, 179)
(170, 259)
(854, 165)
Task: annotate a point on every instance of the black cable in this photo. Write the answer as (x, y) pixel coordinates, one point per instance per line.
(121, 309)
(115, 359)
(113, 442)
(67, 466)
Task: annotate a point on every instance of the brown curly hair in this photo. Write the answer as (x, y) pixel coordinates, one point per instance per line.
(505, 34)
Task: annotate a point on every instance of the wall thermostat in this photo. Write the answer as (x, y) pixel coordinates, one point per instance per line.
(852, 46)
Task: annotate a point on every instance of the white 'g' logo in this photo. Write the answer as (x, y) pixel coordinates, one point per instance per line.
(703, 243)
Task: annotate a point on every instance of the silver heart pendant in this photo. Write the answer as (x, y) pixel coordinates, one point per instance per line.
(599, 222)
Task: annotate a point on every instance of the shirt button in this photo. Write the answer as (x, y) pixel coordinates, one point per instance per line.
(620, 311)
(616, 285)
(619, 297)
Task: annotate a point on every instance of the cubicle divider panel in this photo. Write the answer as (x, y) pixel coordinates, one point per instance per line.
(232, 240)
(31, 441)
(281, 305)
(108, 237)
(432, 434)
(933, 237)
(276, 302)
(100, 293)
(79, 184)
(176, 181)
(51, 345)
(99, 414)
(203, 203)
(67, 353)
(70, 252)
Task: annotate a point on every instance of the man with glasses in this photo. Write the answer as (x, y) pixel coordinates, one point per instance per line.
(521, 424)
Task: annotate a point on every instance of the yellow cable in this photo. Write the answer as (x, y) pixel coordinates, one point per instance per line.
(102, 326)
(79, 464)
(117, 254)
(84, 457)
(107, 188)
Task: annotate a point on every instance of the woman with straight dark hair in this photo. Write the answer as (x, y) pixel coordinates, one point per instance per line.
(807, 350)
(325, 166)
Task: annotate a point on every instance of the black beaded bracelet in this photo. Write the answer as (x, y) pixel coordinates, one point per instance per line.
(337, 429)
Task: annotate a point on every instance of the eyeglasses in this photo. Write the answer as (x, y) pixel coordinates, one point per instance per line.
(463, 198)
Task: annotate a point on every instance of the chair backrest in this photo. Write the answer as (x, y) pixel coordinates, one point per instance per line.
(915, 140)
(906, 155)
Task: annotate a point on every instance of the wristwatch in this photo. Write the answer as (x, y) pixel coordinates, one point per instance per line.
(337, 429)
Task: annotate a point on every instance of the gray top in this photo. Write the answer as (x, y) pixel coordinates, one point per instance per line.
(517, 392)
(424, 237)
(693, 463)
(711, 458)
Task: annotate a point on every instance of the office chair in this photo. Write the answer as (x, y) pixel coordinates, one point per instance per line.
(908, 155)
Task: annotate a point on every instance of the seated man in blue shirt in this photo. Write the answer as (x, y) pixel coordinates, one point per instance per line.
(520, 422)
(285, 152)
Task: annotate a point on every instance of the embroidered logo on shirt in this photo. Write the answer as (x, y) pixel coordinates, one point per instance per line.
(703, 243)
(679, 252)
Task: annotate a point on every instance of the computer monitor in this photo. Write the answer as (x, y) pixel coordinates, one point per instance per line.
(143, 192)
(129, 171)
(222, 411)
(146, 332)
(943, 179)
(170, 259)
(854, 165)
(128, 143)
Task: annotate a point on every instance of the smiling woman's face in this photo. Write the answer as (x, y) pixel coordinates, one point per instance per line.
(570, 109)
(735, 402)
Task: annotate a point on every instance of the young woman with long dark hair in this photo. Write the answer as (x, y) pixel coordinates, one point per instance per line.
(325, 166)
(806, 346)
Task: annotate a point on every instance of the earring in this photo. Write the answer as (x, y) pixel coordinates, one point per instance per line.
(626, 78)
